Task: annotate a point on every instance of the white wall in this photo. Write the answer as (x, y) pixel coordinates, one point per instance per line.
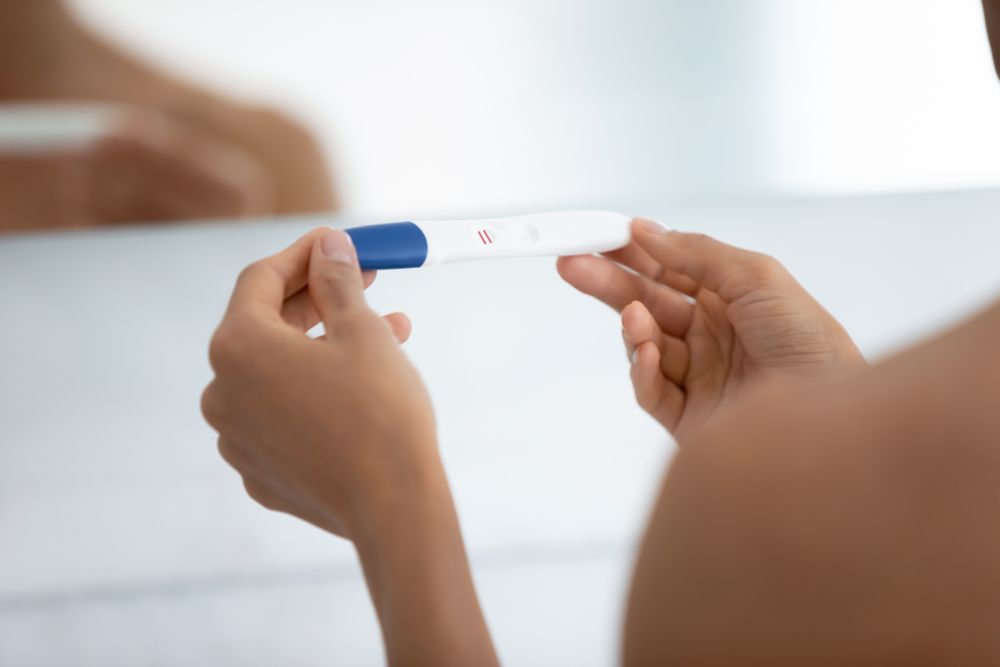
(884, 95)
(457, 105)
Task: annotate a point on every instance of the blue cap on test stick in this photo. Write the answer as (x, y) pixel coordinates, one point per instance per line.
(396, 245)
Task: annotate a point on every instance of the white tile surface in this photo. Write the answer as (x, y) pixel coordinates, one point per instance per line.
(545, 611)
(125, 540)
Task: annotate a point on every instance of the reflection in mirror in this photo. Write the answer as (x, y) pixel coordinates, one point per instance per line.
(91, 135)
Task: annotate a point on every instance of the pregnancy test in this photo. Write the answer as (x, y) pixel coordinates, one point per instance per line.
(405, 245)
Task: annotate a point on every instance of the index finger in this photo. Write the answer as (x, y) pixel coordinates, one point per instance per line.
(266, 283)
(636, 258)
(721, 268)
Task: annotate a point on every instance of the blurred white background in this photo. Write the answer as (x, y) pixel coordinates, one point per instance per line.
(446, 106)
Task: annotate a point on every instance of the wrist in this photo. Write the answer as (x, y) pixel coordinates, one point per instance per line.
(418, 576)
(413, 494)
(401, 537)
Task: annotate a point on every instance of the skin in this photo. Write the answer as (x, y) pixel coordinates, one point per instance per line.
(703, 322)
(845, 519)
(991, 11)
(179, 153)
(342, 466)
(820, 512)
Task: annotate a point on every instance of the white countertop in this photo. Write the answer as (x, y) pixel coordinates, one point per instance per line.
(124, 539)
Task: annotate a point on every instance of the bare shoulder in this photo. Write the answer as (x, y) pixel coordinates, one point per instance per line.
(848, 520)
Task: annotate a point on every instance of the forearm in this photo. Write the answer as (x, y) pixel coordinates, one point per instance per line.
(419, 579)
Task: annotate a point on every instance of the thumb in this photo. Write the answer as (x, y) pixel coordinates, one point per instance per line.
(335, 283)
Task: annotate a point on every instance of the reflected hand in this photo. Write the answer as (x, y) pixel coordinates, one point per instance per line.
(195, 153)
(339, 430)
(151, 167)
(703, 320)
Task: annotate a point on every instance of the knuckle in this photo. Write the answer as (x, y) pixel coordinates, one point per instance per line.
(211, 408)
(229, 346)
(644, 400)
(642, 395)
(252, 488)
(764, 269)
(699, 244)
(227, 453)
(259, 493)
(223, 349)
(251, 270)
(217, 351)
(699, 240)
(241, 325)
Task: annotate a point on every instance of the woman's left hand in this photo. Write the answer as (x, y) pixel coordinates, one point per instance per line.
(703, 320)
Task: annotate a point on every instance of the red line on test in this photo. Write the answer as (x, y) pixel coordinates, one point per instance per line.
(481, 237)
(488, 236)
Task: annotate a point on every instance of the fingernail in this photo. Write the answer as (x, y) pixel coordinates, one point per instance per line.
(634, 358)
(337, 247)
(652, 226)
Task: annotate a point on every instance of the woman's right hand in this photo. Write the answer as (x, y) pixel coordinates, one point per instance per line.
(703, 320)
(338, 430)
